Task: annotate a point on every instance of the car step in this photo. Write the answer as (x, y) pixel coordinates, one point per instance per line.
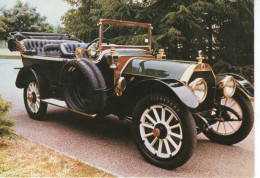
(63, 105)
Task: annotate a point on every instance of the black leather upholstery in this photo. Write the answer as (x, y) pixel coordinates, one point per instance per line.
(68, 49)
(36, 46)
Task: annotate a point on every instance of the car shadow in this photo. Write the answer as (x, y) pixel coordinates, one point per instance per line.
(111, 132)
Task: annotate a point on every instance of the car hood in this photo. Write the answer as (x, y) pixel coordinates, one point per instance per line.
(157, 68)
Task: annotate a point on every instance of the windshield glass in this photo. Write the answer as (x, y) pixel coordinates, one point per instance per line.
(122, 35)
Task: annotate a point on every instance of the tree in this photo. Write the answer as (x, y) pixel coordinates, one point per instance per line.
(2, 28)
(223, 29)
(5, 124)
(22, 17)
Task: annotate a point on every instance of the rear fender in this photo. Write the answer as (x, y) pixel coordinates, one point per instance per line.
(23, 76)
(171, 87)
(242, 84)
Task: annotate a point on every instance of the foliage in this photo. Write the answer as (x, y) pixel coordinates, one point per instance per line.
(2, 27)
(223, 29)
(5, 124)
(22, 17)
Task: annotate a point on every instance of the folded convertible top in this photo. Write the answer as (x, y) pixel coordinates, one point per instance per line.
(38, 35)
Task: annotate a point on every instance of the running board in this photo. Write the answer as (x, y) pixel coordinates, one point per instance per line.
(62, 104)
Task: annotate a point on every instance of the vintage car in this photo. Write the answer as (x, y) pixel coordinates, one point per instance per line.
(167, 102)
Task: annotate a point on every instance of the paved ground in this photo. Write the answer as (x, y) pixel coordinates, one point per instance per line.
(5, 53)
(106, 142)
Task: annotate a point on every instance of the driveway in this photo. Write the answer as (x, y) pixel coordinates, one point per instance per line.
(106, 142)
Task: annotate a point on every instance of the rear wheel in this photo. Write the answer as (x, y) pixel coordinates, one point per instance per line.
(164, 132)
(35, 108)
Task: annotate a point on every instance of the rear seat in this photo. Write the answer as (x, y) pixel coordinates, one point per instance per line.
(43, 47)
(68, 49)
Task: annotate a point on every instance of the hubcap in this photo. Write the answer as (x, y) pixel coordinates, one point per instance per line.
(33, 97)
(156, 132)
(30, 97)
(161, 131)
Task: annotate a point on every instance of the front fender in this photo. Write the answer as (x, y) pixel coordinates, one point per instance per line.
(173, 87)
(242, 84)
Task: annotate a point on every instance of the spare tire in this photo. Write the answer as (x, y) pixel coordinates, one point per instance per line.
(83, 87)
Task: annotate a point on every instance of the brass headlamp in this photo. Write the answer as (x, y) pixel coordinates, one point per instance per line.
(228, 84)
(199, 88)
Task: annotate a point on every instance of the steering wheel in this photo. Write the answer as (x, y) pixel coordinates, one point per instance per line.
(155, 51)
(93, 41)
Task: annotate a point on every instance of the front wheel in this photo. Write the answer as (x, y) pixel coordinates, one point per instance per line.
(237, 120)
(164, 131)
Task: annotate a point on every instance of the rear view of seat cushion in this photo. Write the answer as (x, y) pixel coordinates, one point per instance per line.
(33, 46)
(68, 49)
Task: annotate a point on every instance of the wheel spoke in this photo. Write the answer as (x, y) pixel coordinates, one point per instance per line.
(150, 118)
(224, 127)
(218, 126)
(231, 126)
(170, 119)
(226, 101)
(174, 126)
(148, 135)
(147, 125)
(167, 146)
(154, 141)
(156, 115)
(160, 146)
(175, 135)
(36, 106)
(163, 115)
(172, 142)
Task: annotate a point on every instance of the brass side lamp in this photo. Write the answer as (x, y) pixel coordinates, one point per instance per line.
(161, 54)
(79, 53)
(113, 64)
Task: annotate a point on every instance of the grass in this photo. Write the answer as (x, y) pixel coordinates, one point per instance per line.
(20, 157)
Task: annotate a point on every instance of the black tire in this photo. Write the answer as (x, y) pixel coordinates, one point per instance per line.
(82, 87)
(244, 128)
(101, 82)
(39, 112)
(186, 129)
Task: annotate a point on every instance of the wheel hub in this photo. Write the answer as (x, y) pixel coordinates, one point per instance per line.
(32, 97)
(160, 131)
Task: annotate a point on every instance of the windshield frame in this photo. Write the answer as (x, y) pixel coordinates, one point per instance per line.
(103, 22)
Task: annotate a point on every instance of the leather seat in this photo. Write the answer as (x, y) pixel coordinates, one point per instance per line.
(68, 49)
(37, 46)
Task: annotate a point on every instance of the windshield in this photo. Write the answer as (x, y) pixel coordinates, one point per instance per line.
(121, 35)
